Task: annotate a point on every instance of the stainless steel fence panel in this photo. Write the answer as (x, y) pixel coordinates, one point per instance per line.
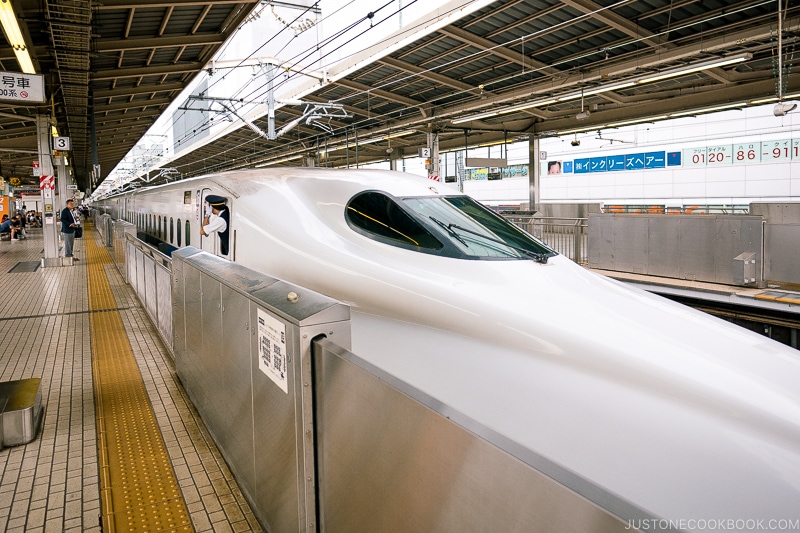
(630, 245)
(601, 241)
(130, 262)
(697, 234)
(123, 231)
(177, 276)
(734, 236)
(140, 276)
(391, 458)
(151, 298)
(663, 257)
(164, 303)
(189, 368)
(781, 243)
(693, 247)
(236, 321)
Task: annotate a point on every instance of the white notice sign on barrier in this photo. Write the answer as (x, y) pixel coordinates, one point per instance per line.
(272, 349)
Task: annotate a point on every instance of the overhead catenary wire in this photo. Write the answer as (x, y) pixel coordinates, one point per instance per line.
(394, 82)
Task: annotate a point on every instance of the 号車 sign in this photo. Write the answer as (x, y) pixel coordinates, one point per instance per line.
(19, 87)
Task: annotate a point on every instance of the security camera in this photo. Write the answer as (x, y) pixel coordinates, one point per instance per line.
(576, 142)
(583, 115)
(782, 109)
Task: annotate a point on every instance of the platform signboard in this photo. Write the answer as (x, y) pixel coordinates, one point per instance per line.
(19, 87)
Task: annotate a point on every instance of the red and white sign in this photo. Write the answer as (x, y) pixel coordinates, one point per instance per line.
(433, 177)
(36, 170)
(47, 182)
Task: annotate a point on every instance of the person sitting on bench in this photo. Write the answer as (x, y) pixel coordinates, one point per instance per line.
(7, 227)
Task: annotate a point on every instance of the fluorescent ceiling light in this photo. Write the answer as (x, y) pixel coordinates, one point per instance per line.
(383, 137)
(598, 90)
(8, 19)
(773, 99)
(634, 121)
(721, 62)
(763, 101)
(528, 105)
(708, 109)
(474, 117)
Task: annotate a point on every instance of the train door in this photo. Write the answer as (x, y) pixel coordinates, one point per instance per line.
(211, 243)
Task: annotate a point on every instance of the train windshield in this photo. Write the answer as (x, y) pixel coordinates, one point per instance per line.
(451, 226)
(476, 231)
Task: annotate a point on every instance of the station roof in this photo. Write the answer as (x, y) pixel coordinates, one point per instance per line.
(508, 70)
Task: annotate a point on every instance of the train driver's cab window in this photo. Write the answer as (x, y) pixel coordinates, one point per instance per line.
(380, 217)
(451, 226)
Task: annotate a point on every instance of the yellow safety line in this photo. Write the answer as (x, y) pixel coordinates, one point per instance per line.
(138, 488)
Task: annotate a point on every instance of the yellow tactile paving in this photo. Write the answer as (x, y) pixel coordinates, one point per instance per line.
(779, 296)
(138, 485)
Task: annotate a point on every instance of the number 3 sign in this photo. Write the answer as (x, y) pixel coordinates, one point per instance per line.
(61, 143)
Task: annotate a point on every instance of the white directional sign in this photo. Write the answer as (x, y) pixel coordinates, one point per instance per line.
(19, 87)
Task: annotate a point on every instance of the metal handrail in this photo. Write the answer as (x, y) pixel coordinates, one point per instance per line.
(566, 235)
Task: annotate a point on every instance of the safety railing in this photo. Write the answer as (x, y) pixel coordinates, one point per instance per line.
(149, 272)
(567, 236)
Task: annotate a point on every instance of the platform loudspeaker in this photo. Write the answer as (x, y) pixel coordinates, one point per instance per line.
(783, 108)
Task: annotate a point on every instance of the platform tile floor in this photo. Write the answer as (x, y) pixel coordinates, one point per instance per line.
(51, 483)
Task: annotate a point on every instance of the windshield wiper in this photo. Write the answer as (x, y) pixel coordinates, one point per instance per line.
(450, 231)
(536, 256)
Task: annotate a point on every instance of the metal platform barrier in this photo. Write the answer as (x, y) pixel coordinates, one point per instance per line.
(321, 440)
(23, 412)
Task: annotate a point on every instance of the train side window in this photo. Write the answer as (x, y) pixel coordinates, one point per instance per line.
(171, 230)
(188, 232)
(379, 217)
(179, 232)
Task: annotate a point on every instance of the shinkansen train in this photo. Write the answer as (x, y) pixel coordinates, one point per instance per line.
(658, 407)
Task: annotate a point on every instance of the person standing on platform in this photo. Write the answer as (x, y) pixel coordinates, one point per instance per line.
(217, 221)
(68, 226)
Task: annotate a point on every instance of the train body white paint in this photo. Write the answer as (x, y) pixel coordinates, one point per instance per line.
(676, 413)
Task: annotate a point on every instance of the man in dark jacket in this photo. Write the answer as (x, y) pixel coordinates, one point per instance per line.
(68, 228)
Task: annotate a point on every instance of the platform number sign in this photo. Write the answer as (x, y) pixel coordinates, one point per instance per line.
(61, 144)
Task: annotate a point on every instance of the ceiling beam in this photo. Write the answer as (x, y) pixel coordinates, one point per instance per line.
(608, 17)
(128, 117)
(137, 72)
(132, 4)
(491, 47)
(142, 89)
(428, 74)
(386, 95)
(122, 45)
(153, 102)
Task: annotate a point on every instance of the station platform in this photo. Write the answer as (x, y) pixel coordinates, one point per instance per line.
(785, 299)
(120, 447)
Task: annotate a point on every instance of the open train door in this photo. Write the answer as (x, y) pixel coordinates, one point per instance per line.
(211, 243)
(208, 243)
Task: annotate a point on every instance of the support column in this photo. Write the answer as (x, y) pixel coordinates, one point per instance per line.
(51, 226)
(534, 164)
(433, 167)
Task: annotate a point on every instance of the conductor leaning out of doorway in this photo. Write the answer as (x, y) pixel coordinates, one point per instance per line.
(217, 221)
(68, 225)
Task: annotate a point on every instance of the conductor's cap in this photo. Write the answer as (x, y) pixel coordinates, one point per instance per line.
(214, 200)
